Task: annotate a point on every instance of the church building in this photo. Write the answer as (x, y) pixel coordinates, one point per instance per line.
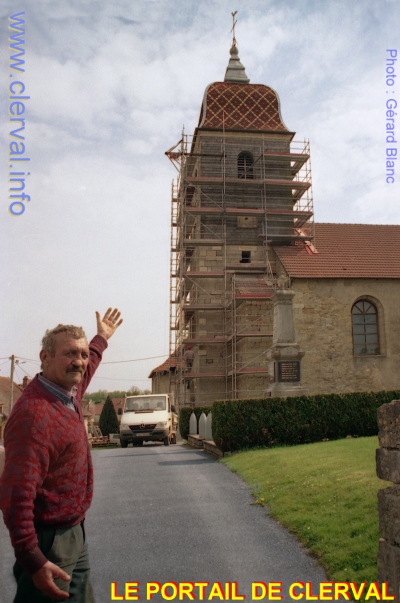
(264, 302)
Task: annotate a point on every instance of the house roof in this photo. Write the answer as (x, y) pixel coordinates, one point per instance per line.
(5, 391)
(169, 363)
(98, 408)
(117, 403)
(345, 251)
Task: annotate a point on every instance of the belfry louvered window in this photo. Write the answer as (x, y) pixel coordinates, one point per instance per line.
(364, 318)
(245, 165)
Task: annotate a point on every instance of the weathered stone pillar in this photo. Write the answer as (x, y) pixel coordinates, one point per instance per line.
(202, 426)
(284, 356)
(388, 468)
(209, 427)
(193, 424)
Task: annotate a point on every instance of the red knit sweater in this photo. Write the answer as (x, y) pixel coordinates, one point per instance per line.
(48, 473)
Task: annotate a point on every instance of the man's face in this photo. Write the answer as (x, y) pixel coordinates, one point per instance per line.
(68, 364)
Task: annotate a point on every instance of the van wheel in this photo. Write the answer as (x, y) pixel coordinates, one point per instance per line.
(139, 443)
(173, 438)
(166, 441)
(124, 444)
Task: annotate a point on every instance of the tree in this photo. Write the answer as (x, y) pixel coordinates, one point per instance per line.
(134, 391)
(97, 397)
(101, 395)
(108, 421)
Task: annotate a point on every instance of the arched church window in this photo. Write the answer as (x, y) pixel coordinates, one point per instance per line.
(364, 318)
(245, 165)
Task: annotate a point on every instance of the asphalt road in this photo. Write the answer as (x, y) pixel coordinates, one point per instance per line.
(172, 514)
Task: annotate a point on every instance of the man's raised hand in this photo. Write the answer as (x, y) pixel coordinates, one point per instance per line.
(107, 325)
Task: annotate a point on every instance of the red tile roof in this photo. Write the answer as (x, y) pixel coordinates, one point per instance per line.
(346, 251)
(98, 408)
(170, 362)
(5, 392)
(117, 403)
(241, 107)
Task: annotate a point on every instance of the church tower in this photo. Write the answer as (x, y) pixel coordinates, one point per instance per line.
(244, 187)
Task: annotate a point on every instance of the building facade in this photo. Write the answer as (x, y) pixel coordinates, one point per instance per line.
(268, 301)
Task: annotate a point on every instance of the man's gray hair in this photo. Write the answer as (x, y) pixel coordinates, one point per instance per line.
(50, 335)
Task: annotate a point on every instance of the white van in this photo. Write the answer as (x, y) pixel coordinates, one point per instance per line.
(149, 418)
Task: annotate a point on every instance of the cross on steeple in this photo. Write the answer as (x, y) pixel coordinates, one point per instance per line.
(235, 72)
(233, 28)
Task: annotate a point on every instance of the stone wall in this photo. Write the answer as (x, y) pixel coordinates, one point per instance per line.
(160, 383)
(322, 318)
(388, 468)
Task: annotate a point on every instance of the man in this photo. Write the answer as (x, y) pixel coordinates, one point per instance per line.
(47, 483)
(189, 358)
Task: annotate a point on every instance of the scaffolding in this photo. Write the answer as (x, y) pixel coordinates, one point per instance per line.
(236, 197)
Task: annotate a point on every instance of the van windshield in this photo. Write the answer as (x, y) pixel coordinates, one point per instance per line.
(138, 403)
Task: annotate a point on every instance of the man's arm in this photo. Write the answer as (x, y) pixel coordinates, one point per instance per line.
(106, 328)
(25, 469)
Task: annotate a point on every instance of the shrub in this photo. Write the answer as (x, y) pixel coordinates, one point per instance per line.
(184, 417)
(108, 420)
(241, 424)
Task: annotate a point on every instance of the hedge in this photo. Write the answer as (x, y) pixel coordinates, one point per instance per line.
(184, 417)
(241, 424)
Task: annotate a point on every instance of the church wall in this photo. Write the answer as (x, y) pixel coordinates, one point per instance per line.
(322, 317)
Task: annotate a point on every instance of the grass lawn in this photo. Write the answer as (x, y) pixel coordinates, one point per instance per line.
(324, 493)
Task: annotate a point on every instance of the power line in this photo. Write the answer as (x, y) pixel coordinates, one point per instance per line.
(36, 361)
(112, 379)
(20, 367)
(110, 362)
(134, 360)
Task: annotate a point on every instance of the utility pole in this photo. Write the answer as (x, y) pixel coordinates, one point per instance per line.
(12, 358)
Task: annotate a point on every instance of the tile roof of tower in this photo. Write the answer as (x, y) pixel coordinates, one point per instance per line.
(346, 251)
(234, 106)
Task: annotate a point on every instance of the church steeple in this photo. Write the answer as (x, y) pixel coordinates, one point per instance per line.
(235, 71)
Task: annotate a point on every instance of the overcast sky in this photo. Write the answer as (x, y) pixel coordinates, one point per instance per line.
(111, 85)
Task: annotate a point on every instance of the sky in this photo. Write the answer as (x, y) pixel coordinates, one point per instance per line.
(111, 85)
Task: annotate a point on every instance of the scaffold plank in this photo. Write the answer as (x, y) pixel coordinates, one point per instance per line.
(198, 242)
(249, 371)
(201, 340)
(246, 211)
(252, 182)
(200, 375)
(197, 274)
(251, 334)
(213, 307)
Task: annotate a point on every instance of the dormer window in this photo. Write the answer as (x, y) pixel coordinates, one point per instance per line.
(245, 165)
